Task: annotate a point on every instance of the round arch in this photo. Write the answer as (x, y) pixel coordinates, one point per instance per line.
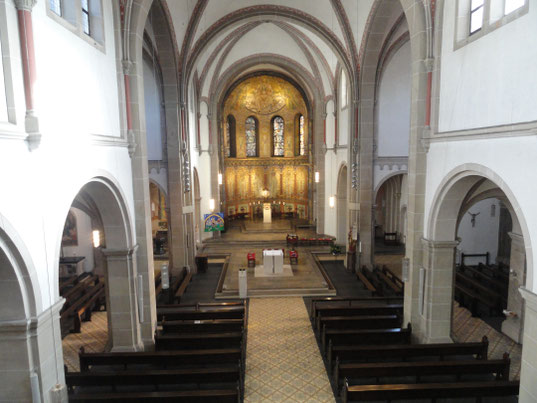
(444, 212)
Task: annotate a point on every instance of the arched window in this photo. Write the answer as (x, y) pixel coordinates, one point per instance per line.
(251, 136)
(344, 96)
(278, 143)
(229, 142)
(301, 137)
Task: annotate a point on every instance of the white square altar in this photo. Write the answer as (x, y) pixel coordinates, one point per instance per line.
(273, 261)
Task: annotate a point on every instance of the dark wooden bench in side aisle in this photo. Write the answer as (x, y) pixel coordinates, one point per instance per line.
(201, 326)
(390, 238)
(187, 277)
(374, 353)
(365, 281)
(388, 283)
(429, 391)
(423, 369)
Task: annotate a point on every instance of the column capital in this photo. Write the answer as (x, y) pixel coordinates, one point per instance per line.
(26, 5)
(119, 253)
(530, 298)
(127, 66)
(516, 237)
(432, 244)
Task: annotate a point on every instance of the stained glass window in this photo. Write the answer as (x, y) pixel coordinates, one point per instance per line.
(251, 137)
(230, 149)
(227, 151)
(301, 140)
(277, 137)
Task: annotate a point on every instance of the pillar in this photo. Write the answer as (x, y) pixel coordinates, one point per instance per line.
(512, 325)
(26, 34)
(528, 386)
(435, 297)
(31, 358)
(122, 288)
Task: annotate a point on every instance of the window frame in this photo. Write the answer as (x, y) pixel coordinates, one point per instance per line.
(472, 11)
(73, 21)
(492, 19)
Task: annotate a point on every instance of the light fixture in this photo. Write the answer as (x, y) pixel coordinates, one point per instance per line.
(96, 239)
(211, 205)
(317, 176)
(153, 207)
(219, 178)
(265, 193)
(332, 201)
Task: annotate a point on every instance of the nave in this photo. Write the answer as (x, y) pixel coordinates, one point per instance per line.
(283, 360)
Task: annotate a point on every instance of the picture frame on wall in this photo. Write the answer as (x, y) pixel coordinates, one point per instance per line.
(70, 231)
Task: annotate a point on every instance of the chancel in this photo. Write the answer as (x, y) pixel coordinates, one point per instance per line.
(217, 200)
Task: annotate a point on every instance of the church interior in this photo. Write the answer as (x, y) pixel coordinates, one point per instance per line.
(268, 201)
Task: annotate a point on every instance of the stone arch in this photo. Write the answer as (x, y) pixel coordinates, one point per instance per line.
(440, 242)
(125, 304)
(314, 102)
(342, 209)
(386, 178)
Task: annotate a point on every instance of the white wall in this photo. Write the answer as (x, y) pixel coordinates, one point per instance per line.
(393, 105)
(72, 76)
(85, 240)
(490, 81)
(483, 237)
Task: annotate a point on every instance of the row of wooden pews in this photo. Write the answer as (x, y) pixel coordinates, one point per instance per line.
(482, 288)
(199, 357)
(177, 288)
(381, 281)
(83, 294)
(370, 357)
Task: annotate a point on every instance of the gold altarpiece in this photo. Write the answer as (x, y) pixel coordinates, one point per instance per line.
(287, 178)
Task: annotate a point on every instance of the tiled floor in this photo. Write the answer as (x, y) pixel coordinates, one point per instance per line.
(283, 362)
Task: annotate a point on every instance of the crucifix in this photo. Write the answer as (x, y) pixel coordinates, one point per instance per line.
(473, 218)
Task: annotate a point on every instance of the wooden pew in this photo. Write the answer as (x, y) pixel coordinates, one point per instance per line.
(485, 255)
(183, 285)
(155, 377)
(159, 358)
(198, 341)
(496, 284)
(390, 238)
(494, 271)
(389, 284)
(429, 390)
(202, 326)
(189, 313)
(189, 396)
(420, 369)
(365, 281)
(393, 277)
(80, 308)
(349, 301)
(336, 337)
(357, 310)
(374, 352)
(358, 322)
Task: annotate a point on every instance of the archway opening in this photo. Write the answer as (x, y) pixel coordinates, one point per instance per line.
(97, 273)
(159, 222)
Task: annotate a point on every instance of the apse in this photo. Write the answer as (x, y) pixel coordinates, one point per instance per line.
(265, 147)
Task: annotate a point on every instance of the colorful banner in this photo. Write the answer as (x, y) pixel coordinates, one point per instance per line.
(214, 222)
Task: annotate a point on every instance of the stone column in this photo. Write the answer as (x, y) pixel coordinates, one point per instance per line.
(31, 358)
(512, 325)
(26, 34)
(528, 386)
(436, 294)
(122, 289)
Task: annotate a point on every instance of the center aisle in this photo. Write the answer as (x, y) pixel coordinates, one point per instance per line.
(283, 362)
